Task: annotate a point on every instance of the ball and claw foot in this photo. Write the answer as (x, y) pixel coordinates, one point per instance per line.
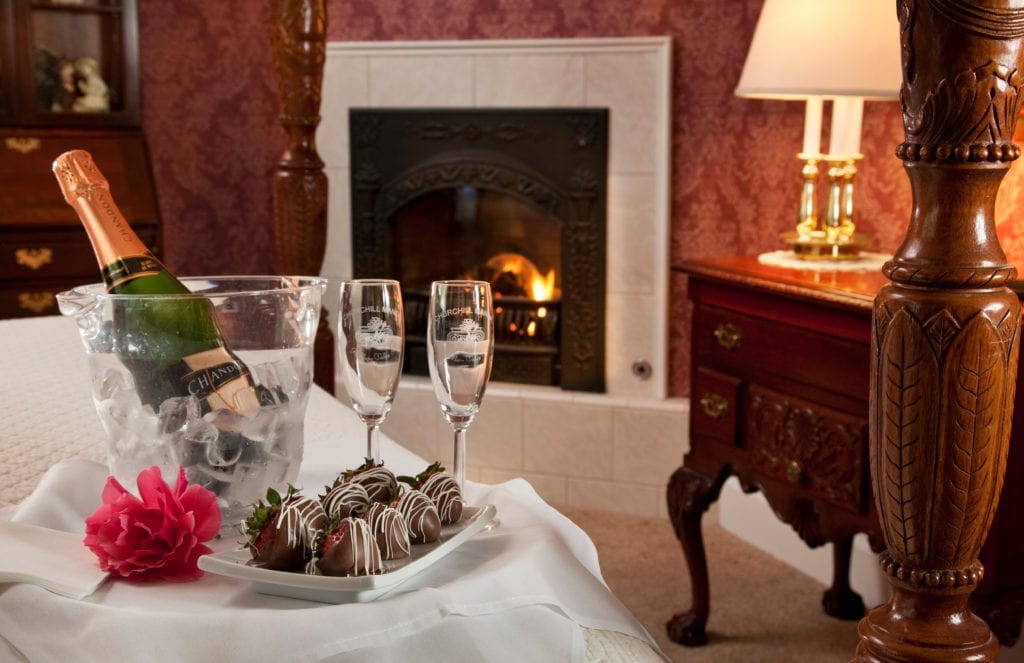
(843, 604)
(685, 629)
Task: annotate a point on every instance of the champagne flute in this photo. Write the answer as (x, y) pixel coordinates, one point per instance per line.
(371, 340)
(460, 344)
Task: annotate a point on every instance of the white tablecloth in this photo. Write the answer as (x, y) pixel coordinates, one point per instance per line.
(519, 592)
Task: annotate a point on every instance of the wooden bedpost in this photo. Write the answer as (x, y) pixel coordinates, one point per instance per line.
(299, 42)
(946, 332)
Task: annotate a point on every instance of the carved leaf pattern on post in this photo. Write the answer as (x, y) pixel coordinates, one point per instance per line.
(971, 379)
(941, 329)
(951, 117)
(974, 398)
(907, 375)
(965, 508)
(971, 115)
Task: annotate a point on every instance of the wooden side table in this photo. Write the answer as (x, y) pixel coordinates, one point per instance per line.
(779, 389)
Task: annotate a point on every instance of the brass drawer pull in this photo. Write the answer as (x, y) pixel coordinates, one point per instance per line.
(22, 145)
(794, 472)
(714, 405)
(36, 302)
(33, 258)
(729, 336)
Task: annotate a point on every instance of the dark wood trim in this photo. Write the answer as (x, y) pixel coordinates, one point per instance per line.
(299, 43)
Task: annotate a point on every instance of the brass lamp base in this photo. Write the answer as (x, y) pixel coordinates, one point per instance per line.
(816, 246)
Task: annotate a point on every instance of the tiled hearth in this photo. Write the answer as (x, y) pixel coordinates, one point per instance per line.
(585, 450)
(611, 451)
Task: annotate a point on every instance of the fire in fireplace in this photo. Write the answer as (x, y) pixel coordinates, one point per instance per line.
(515, 197)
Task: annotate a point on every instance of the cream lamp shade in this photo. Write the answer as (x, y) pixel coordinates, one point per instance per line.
(826, 48)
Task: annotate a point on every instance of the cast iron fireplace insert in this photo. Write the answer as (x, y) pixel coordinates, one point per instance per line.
(513, 196)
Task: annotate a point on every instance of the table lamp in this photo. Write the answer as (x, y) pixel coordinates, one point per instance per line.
(844, 51)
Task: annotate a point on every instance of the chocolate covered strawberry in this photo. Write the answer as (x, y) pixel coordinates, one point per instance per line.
(442, 489)
(379, 482)
(344, 499)
(389, 529)
(420, 516)
(348, 548)
(280, 532)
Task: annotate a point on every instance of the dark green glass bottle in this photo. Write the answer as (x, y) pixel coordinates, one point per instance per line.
(173, 346)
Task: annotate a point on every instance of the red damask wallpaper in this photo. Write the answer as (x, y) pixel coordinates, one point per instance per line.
(209, 112)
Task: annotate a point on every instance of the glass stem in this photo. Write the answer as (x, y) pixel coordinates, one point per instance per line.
(459, 462)
(373, 443)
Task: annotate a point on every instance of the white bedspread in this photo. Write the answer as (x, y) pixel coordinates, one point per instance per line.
(529, 590)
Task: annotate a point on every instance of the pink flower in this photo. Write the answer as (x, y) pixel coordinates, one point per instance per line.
(158, 537)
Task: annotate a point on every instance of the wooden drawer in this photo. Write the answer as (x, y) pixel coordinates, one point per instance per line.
(29, 193)
(43, 255)
(30, 300)
(49, 254)
(741, 344)
(715, 405)
(822, 450)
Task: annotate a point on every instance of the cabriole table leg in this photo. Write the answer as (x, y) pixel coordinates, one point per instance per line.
(839, 600)
(689, 495)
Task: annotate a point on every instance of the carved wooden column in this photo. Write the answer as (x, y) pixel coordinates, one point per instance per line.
(944, 351)
(300, 185)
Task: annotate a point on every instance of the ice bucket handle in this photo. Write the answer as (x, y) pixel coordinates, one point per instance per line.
(81, 306)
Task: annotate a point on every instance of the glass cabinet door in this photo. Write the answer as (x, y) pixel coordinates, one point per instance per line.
(77, 61)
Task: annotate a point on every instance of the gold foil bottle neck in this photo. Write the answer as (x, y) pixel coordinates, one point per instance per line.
(77, 174)
(88, 193)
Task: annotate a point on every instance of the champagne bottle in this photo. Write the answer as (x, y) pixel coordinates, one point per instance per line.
(172, 346)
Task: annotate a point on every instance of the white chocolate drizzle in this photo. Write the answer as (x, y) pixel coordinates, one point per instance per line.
(378, 481)
(300, 517)
(352, 496)
(416, 507)
(444, 491)
(388, 526)
(363, 546)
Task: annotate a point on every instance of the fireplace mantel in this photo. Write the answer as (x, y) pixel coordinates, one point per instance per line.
(629, 76)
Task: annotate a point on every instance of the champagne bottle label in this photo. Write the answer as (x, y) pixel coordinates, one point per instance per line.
(217, 377)
(127, 268)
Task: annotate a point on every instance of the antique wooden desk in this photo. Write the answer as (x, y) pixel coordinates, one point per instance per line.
(779, 391)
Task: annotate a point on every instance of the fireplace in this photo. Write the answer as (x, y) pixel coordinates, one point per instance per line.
(576, 448)
(516, 197)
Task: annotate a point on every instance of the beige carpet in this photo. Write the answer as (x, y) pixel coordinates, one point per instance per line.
(761, 609)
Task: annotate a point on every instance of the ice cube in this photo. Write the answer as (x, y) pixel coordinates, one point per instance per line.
(227, 449)
(177, 413)
(250, 482)
(209, 478)
(190, 442)
(109, 381)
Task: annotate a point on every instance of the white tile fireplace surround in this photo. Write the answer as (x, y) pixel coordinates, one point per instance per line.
(609, 451)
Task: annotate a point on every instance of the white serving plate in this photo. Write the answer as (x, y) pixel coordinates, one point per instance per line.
(336, 589)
